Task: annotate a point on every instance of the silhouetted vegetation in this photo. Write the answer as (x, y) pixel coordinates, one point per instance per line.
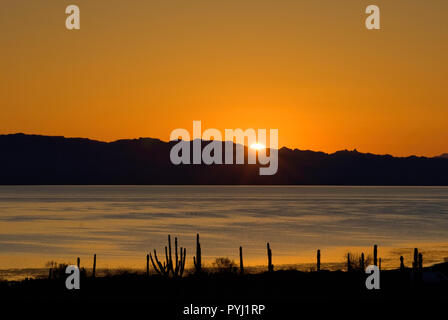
(168, 268)
(224, 265)
(358, 261)
(222, 280)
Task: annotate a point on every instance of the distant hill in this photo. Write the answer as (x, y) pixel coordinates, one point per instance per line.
(33, 159)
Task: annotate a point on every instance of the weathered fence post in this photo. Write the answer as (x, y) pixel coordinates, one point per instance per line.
(401, 263)
(270, 266)
(147, 265)
(241, 261)
(78, 262)
(318, 260)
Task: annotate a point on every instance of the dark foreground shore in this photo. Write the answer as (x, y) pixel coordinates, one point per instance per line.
(282, 293)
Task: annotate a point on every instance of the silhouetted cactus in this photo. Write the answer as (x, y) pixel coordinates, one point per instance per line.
(198, 259)
(270, 265)
(361, 262)
(415, 262)
(402, 263)
(375, 255)
(417, 267)
(94, 266)
(318, 260)
(167, 268)
(241, 261)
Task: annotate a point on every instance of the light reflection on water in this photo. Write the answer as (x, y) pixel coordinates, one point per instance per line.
(122, 223)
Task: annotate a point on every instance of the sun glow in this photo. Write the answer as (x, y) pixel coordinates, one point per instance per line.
(257, 146)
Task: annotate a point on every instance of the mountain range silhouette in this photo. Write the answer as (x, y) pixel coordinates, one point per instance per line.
(48, 160)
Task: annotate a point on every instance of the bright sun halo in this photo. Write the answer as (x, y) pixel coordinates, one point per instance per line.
(257, 146)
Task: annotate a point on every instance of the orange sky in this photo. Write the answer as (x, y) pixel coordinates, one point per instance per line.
(308, 68)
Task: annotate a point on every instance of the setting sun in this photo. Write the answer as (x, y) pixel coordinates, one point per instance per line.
(257, 146)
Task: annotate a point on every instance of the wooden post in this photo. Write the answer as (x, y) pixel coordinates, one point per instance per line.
(318, 260)
(78, 262)
(94, 266)
(50, 273)
(401, 263)
(147, 265)
(241, 261)
(380, 265)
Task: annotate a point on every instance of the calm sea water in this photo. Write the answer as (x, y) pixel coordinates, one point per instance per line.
(121, 224)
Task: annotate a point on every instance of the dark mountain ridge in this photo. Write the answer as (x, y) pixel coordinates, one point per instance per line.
(47, 160)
